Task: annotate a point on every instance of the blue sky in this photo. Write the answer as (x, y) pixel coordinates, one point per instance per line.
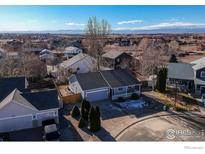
(120, 17)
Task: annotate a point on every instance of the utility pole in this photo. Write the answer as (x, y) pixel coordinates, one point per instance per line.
(175, 101)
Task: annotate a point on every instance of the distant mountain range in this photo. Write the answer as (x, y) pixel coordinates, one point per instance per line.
(173, 30)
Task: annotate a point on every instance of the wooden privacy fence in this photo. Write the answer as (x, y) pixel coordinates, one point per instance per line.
(73, 98)
(66, 96)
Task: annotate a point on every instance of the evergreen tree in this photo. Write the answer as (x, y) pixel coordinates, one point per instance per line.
(85, 108)
(75, 112)
(81, 123)
(97, 118)
(91, 119)
(161, 80)
(173, 59)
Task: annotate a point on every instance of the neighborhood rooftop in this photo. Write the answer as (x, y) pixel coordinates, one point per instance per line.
(199, 63)
(112, 54)
(180, 71)
(7, 85)
(119, 78)
(74, 60)
(16, 96)
(109, 78)
(34, 100)
(43, 100)
(91, 80)
(71, 49)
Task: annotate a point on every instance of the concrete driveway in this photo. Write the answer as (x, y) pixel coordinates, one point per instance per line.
(149, 124)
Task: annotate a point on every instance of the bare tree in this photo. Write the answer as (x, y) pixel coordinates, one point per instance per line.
(33, 67)
(10, 67)
(96, 34)
(152, 58)
(28, 65)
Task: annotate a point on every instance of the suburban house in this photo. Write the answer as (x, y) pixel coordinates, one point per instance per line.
(102, 85)
(13, 55)
(21, 109)
(72, 51)
(53, 68)
(116, 59)
(46, 54)
(199, 75)
(80, 63)
(186, 76)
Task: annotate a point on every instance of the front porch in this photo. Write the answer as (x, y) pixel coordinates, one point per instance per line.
(181, 84)
(125, 92)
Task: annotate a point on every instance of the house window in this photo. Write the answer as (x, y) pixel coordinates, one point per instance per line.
(137, 87)
(203, 74)
(34, 117)
(198, 87)
(120, 89)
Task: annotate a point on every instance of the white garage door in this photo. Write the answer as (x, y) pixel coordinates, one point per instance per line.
(93, 96)
(16, 123)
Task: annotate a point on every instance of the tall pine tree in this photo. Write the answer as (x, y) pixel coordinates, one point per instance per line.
(161, 80)
(97, 119)
(173, 59)
(85, 108)
(91, 119)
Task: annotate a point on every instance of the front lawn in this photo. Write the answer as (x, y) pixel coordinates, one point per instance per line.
(181, 100)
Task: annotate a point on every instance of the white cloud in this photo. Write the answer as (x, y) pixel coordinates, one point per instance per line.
(166, 25)
(74, 24)
(32, 21)
(129, 22)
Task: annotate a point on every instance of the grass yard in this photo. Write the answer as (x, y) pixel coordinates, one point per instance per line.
(183, 101)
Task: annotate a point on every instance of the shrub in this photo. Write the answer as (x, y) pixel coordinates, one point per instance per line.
(189, 100)
(179, 109)
(121, 99)
(75, 112)
(85, 108)
(81, 123)
(135, 96)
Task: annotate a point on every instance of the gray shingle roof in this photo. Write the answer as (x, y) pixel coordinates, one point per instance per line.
(43, 100)
(16, 95)
(180, 71)
(119, 78)
(199, 63)
(7, 85)
(112, 54)
(91, 80)
(109, 78)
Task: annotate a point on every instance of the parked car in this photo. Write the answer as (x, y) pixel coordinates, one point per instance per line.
(51, 133)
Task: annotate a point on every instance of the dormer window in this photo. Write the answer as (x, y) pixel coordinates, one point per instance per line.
(202, 74)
